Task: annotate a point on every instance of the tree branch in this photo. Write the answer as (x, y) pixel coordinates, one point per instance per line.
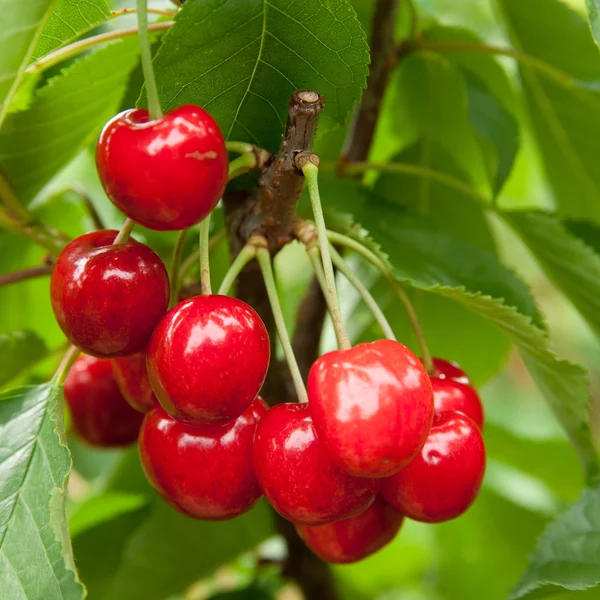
(25, 274)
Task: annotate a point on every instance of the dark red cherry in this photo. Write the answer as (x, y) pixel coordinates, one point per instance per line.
(452, 396)
(100, 414)
(108, 298)
(446, 369)
(353, 539)
(208, 358)
(204, 469)
(164, 174)
(298, 477)
(372, 406)
(444, 479)
(132, 377)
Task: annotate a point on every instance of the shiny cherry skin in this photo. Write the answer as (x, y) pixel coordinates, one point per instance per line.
(108, 298)
(208, 358)
(204, 470)
(446, 369)
(297, 476)
(353, 539)
(444, 479)
(132, 377)
(164, 174)
(452, 396)
(372, 406)
(100, 415)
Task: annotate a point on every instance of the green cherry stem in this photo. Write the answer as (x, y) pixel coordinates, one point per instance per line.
(125, 231)
(175, 268)
(239, 147)
(65, 365)
(194, 257)
(205, 256)
(264, 260)
(154, 108)
(344, 268)
(311, 173)
(246, 254)
(348, 242)
(314, 256)
(242, 164)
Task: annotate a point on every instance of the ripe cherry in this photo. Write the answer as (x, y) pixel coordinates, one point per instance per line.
(372, 406)
(132, 377)
(108, 298)
(353, 539)
(164, 174)
(208, 358)
(454, 392)
(444, 479)
(100, 414)
(298, 477)
(203, 469)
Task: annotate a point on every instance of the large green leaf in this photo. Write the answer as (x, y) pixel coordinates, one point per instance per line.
(22, 24)
(593, 7)
(572, 266)
(65, 116)
(68, 20)
(438, 265)
(242, 59)
(565, 118)
(36, 561)
(567, 556)
(18, 351)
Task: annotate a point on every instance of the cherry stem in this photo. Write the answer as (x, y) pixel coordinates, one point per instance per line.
(205, 285)
(239, 147)
(125, 232)
(314, 256)
(343, 267)
(154, 109)
(25, 274)
(242, 164)
(175, 262)
(348, 242)
(246, 254)
(65, 365)
(191, 260)
(264, 261)
(311, 172)
(76, 48)
(89, 205)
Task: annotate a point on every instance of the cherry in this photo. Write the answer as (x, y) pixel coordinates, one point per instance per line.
(372, 406)
(100, 414)
(132, 377)
(164, 174)
(296, 474)
(208, 358)
(446, 369)
(108, 298)
(443, 480)
(202, 469)
(355, 538)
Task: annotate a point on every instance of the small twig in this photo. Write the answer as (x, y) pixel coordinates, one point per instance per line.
(89, 205)
(24, 274)
(11, 200)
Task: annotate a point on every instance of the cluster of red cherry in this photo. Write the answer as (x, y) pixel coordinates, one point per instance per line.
(378, 440)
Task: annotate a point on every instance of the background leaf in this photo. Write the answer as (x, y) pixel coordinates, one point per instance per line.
(593, 7)
(34, 466)
(22, 23)
(18, 351)
(242, 59)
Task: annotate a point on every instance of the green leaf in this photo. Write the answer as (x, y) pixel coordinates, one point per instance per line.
(567, 555)
(22, 24)
(565, 117)
(571, 265)
(593, 8)
(70, 19)
(242, 59)
(35, 552)
(65, 116)
(19, 350)
(438, 265)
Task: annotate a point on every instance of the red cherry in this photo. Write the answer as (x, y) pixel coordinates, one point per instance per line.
(204, 469)
(443, 480)
(108, 298)
(452, 396)
(372, 406)
(296, 474)
(100, 414)
(208, 358)
(446, 369)
(132, 377)
(164, 174)
(355, 538)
